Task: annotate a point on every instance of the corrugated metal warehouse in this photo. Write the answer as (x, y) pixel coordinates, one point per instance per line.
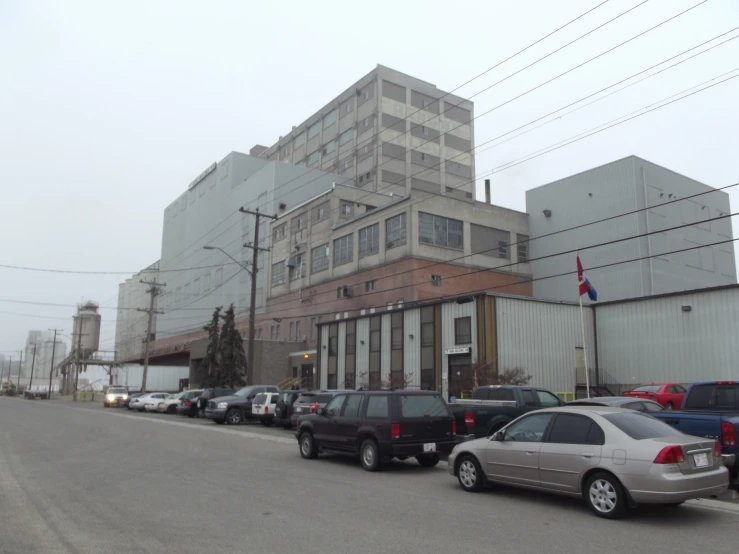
(447, 346)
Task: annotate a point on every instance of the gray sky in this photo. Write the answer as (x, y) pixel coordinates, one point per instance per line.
(108, 110)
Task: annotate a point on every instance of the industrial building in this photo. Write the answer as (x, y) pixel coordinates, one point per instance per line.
(452, 344)
(45, 348)
(388, 132)
(131, 324)
(655, 199)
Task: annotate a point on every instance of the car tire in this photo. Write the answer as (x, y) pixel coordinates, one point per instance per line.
(142, 410)
(234, 417)
(106, 405)
(669, 406)
(172, 409)
(190, 415)
(308, 448)
(428, 460)
(287, 426)
(266, 423)
(469, 474)
(369, 455)
(219, 421)
(605, 496)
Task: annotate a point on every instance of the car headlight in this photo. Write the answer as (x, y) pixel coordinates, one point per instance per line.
(124, 397)
(223, 405)
(111, 397)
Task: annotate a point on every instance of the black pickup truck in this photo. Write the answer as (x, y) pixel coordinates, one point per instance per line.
(494, 406)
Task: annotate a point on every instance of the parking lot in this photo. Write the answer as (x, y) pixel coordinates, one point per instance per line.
(81, 478)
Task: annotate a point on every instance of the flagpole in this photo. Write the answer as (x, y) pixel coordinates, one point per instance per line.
(584, 348)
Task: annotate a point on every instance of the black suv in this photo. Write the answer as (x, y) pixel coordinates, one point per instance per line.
(236, 408)
(379, 426)
(196, 406)
(309, 401)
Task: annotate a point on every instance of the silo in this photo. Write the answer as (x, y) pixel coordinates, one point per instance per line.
(87, 322)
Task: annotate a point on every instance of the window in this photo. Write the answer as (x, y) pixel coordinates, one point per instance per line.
(351, 342)
(346, 136)
(503, 249)
(348, 107)
(329, 147)
(329, 119)
(178, 294)
(196, 287)
(712, 396)
(440, 231)
(278, 273)
(378, 406)
(523, 248)
(396, 331)
(640, 426)
(333, 346)
(547, 399)
(314, 129)
(346, 209)
(369, 286)
(333, 408)
(422, 405)
(344, 292)
(298, 270)
(369, 240)
(312, 158)
(319, 258)
(528, 397)
(259, 335)
(344, 250)
(501, 394)
(291, 335)
(346, 163)
(575, 429)
(353, 403)
(463, 331)
(279, 232)
(424, 131)
(375, 341)
(206, 282)
(319, 212)
(436, 280)
(528, 429)
(298, 141)
(395, 231)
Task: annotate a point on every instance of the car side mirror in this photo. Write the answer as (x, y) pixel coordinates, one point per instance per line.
(498, 436)
(321, 411)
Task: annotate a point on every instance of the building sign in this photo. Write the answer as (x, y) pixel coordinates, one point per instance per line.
(203, 175)
(461, 350)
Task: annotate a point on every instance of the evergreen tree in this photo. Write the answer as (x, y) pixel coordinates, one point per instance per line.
(231, 349)
(210, 364)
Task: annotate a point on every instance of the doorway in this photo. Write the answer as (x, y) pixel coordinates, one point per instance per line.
(461, 376)
(306, 376)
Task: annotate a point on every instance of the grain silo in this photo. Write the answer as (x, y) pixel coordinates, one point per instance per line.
(86, 323)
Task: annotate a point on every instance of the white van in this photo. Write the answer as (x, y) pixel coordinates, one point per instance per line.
(263, 407)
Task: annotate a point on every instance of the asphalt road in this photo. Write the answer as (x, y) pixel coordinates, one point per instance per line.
(84, 479)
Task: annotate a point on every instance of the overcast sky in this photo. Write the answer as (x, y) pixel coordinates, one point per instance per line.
(108, 110)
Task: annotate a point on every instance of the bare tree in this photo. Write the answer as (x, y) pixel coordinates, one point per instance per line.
(516, 376)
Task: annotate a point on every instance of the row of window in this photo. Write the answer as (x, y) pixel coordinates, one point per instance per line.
(193, 288)
(294, 330)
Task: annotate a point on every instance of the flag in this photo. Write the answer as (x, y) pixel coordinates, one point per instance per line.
(585, 286)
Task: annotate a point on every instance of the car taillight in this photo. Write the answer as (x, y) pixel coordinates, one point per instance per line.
(469, 420)
(717, 450)
(454, 427)
(266, 409)
(394, 431)
(188, 403)
(728, 433)
(314, 407)
(670, 455)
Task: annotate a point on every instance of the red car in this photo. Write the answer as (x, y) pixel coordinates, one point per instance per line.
(669, 395)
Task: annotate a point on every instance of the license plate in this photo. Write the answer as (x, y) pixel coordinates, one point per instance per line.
(701, 460)
(429, 447)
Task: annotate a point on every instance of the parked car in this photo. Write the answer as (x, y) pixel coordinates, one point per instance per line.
(139, 402)
(611, 457)
(669, 395)
(647, 406)
(710, 410)
(169, 405)
(263, 407)
(379, 426)
(494, 406)
(236, 408)
(151, 403)
(284, 408)
(115, 396)
(127, 402)
(308, 402)
(196, 406)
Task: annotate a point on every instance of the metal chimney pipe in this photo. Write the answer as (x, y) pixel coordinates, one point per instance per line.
(487, 191)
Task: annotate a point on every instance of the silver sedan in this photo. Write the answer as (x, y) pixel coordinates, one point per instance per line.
(612, 457)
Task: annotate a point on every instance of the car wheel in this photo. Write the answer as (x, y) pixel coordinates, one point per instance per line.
(106, 405)
(308, 446)
(287, 426)
(142, 409)
(172, 409)
(201, 413)
(369, 456)
(233, 416)
(428, 460)
(190, 415)
(669, 406)
(469, 474)
(605, 496)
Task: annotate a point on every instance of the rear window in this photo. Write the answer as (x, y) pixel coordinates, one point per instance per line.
(305, 398)
(423, 405)
(260, 398)
(713, 397)
(641, 426)
(648, 388)
(324, 398)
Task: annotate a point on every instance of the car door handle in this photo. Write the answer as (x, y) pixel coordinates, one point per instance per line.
(530, 451)
(587, 454)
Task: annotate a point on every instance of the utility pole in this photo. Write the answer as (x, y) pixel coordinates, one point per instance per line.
(2, 372)
(253, 302)
(20, 365)
(53, 352)
(33, 363)
(153, 291)
(79, 355)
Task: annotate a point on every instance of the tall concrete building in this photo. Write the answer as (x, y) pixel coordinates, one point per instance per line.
(617, 188)
(390, 133)
(131, 324)
(44, 341)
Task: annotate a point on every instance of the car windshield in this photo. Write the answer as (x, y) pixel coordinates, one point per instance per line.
(640, 426)
(648, 388)
(423, 405)
(117, 391)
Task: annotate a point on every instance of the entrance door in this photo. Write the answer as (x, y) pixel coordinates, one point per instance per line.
(461, 375)
(306, 376)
